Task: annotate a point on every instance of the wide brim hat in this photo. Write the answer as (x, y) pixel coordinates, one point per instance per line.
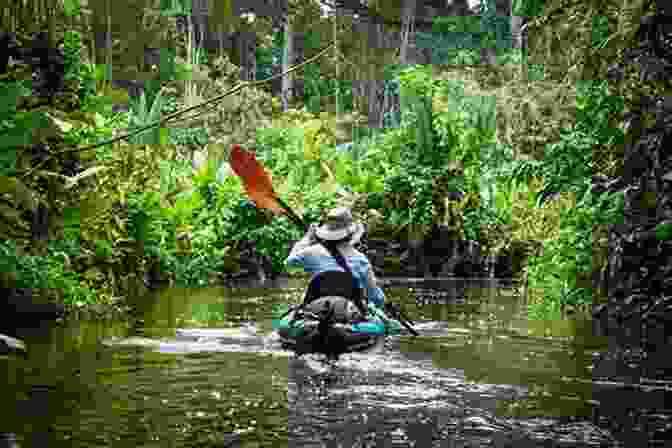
(339, 225)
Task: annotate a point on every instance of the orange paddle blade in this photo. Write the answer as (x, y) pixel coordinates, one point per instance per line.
(256, 180)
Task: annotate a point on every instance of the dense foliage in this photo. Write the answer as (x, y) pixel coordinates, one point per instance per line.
(154, 204)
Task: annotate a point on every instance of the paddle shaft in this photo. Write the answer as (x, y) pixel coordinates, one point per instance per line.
(408, 327)
(292, 216)
(405, 322)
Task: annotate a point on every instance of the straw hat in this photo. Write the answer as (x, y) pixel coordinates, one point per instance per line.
(339, 225)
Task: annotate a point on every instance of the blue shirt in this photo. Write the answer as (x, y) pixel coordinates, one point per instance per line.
(314, 259)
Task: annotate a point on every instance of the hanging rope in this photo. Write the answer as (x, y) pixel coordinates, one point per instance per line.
(173, 116)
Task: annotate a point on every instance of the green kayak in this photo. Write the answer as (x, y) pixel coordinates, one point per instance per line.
(333, 325)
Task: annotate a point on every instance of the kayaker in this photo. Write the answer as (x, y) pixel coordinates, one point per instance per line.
(339, 232)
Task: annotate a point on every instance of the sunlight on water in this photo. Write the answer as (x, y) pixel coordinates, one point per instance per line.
(398, 366)
(403, 394)
(204, 368)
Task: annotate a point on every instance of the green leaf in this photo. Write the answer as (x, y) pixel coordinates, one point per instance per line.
(71, 7)
(664, 231)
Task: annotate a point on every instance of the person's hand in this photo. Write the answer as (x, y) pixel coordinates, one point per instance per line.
(356, 237)
(311, 234)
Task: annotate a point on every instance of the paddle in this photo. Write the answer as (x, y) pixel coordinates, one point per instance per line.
(258, 184)
(259, 188)
(395, 312)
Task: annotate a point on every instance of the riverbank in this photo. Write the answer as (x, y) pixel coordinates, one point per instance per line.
(421, 286)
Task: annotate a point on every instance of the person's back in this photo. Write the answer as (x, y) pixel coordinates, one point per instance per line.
(318, 250)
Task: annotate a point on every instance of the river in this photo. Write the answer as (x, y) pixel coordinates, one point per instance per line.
(201, 367)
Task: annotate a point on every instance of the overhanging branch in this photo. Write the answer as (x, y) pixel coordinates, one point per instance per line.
(174, 115)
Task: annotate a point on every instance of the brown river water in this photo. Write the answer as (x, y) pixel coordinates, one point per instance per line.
(201, 367)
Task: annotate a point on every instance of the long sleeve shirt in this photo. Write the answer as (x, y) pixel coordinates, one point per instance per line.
(314, 258)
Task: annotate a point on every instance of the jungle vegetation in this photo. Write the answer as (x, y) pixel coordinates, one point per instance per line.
(500, 108)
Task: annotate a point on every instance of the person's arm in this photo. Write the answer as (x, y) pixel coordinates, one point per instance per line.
(307, 240)
(375, 294)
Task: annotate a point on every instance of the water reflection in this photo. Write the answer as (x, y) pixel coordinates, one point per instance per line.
(201, 368)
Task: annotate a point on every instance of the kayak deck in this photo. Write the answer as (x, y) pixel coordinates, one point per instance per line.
(302, 333)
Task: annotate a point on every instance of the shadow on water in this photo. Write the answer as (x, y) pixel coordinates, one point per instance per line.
(202, 368)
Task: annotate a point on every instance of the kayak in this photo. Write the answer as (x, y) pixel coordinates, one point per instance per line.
(333, 325)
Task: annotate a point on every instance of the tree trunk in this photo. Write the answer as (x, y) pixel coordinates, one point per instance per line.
(407, 29)
(248, 59)
(50, 17)
(369, 94)
(99, 29)
(336, 63)
(287, 58)
(519, 37)
(199, 16)
(518, 33)
(390, 108)
(220, 40)
(108, 41)
(376, 83)
(298, 52)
